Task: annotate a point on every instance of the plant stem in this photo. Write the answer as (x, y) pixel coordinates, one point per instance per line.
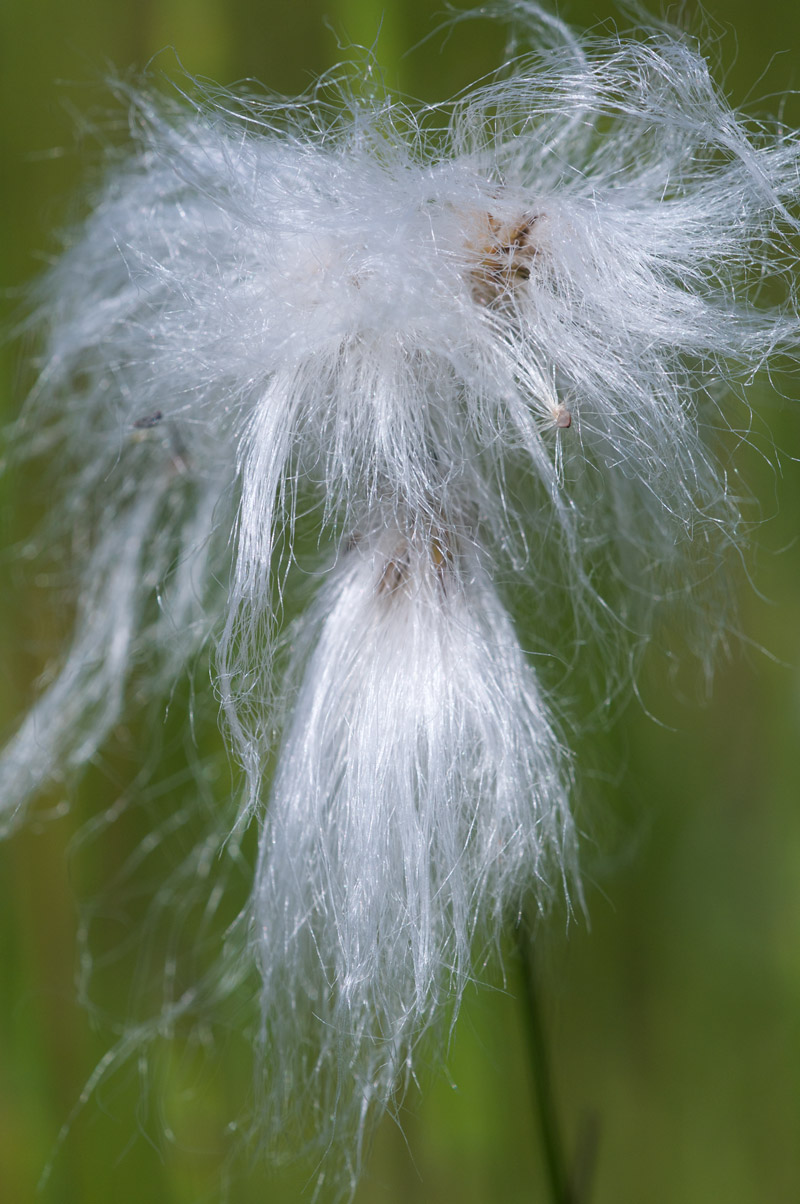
(541, 1079)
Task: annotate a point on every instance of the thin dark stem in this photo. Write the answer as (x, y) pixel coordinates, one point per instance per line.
(541, 1079)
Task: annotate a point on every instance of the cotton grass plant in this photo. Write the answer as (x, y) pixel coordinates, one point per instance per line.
(479, 348)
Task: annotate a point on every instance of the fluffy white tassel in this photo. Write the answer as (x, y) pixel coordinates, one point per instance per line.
(500, 329)
(421, 793)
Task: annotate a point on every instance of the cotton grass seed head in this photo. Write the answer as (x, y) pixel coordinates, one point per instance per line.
(480, 344)
(421, 793)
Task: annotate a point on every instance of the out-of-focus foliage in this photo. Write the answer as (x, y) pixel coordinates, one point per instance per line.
(673, 1018)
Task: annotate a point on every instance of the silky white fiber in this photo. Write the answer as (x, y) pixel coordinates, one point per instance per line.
(420, 358)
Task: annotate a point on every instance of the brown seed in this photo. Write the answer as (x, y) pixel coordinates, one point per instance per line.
(150, 420)
(504, 252)
(393, 576)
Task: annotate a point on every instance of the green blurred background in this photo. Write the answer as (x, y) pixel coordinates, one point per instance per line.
(674, 1017)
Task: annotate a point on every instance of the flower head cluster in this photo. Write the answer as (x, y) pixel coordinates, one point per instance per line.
(470, 345)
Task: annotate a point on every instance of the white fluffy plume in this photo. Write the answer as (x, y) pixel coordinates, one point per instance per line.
(476, 344)
(420, 792)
